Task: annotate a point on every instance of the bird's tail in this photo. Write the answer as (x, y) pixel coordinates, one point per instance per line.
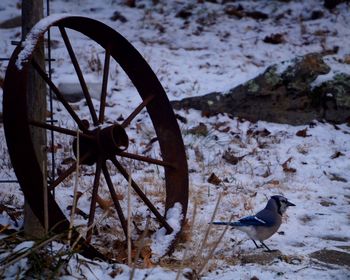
(232, 224)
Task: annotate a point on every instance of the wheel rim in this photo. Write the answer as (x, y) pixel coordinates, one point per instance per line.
(98, 144)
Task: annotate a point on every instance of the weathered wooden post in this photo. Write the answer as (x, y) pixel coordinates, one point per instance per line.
(32, 12)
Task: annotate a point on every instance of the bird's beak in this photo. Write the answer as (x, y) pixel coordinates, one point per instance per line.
(290, 203)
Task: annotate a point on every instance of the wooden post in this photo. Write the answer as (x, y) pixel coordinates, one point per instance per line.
(32, 12)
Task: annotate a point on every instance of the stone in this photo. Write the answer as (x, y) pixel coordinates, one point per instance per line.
(282, 96)
(73, 92)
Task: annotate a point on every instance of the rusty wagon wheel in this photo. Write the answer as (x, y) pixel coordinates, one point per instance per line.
(100, 146)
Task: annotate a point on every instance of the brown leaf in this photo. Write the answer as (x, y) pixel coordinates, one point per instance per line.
(302, 133)
(105, 204)
(230, 158)
(336, 155)
(146, 254)
(217, 125)
(213, 179)
(12, 212)
(347, 59)
(263, 133)
(68, 160)
(274, 39)
(235, 11)
(225, 130)
(273, 182)
(286, 167)
(115, 272)
(53, 148)
(198, 154)
(200, 130)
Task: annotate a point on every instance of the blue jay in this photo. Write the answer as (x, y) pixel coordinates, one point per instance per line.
(265, 223)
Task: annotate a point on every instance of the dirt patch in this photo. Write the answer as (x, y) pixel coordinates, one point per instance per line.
(332, 257)
(261, 258)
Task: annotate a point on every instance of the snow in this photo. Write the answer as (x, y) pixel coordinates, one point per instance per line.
(162, 241)
(210, 51)
(33, 36)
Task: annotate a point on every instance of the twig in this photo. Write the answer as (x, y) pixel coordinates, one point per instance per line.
(140, 246)
(187, 245)
(129, 219)
(45, 193)
(75, 190)
(213, 249)
(200, 251)
(105, 213)
(29, 251)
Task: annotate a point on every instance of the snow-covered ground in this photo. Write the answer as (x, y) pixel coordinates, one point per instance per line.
(196, 48)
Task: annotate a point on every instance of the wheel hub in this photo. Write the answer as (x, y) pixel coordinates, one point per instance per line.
(104, 143)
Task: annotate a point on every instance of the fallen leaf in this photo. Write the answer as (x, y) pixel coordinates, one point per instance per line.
(225, 130)
(200, 130)
(105, 204)
(336, 155)
(336, 177)
(274, 39)
(146, 254)
(213, 179)
(12, 212)
(198, 154)
(230, 158)
(302, 133)
(273, 182)
(286, 167)
(68, 160)
(264, 132)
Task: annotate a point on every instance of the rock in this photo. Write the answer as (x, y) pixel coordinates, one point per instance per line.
(332, 257)
(333, 98)
(11, 23)
(72, 92)
(281, 97)
(303, 72)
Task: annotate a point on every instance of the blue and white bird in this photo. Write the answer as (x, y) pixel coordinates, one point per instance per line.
(265, 223)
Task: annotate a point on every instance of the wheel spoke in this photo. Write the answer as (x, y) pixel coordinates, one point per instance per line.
(58, 129)
(80, 74)
(93, 200)
(115, 199)
(104, 85)
(137, 110)
(67, 172)
(140, 193)
(146, 159)
(59, 95)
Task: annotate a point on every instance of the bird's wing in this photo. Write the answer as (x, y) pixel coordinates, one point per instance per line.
(224, 223)
(269, 217)
(252, 221)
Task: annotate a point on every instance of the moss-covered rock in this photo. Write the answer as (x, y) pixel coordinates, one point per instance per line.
(282, 96)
